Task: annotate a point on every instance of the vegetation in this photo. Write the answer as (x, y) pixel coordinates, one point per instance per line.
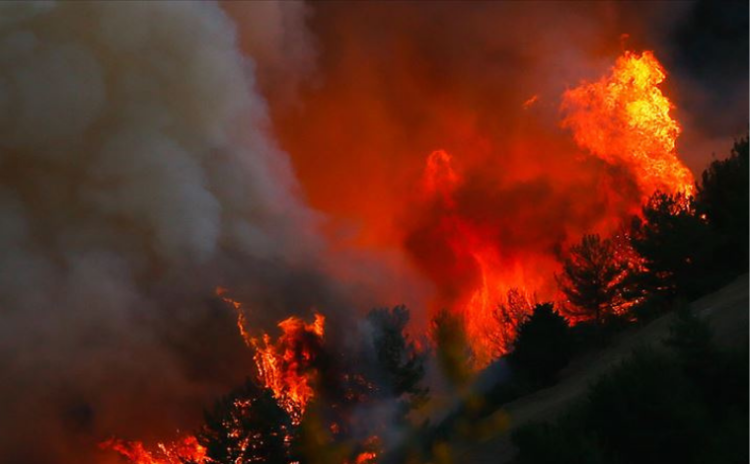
(675, 244)
(452, 347)
(724, 199)
(593, 278)
(396, 359)
(691, 246)
(508, 315)
(262, 425)
(688, 404)
(684, 402)
(655, 407)
(543, 346)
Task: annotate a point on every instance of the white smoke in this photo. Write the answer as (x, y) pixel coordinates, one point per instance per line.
(137, 172)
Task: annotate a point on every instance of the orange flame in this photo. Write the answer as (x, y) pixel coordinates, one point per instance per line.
(369, 455)
(285, 367)
(366, 457)
(491, 309)
(186, 450)
(221, 292)
(624, 119)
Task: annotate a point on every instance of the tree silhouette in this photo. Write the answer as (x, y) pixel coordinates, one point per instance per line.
(593, 278)
(724, 200)
(396, 358)
(543, 345)
(675, 244)
(508, 315)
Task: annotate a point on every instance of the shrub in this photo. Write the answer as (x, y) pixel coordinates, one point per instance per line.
(565, 443)
(689, 405)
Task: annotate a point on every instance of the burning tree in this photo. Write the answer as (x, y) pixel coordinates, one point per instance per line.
(286, 366)
(690, 246)
(674, 243)
(186, 450)
(245, 426)
(594, 279)
(509, 315)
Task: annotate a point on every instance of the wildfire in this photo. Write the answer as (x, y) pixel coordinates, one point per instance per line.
(370, 454)
(367, 457)
(285, 366)
(186, 450)
(222, 293)
(624, 119)
(491, 306)
(494, 309)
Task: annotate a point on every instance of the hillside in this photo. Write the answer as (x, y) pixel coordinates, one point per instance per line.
(726, 311)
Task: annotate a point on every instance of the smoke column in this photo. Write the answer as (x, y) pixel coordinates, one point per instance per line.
(138, 173)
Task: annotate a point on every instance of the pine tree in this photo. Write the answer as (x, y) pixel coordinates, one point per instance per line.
(508, 315)
(543, 345)
(593, 278)
(724, 200)
(397, 359)
(676, 245)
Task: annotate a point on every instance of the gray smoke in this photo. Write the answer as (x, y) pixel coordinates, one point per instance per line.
(137, 173)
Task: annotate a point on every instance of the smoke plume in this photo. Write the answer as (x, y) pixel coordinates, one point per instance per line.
(138, 173)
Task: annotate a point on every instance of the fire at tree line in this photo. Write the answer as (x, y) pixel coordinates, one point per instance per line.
(309, 402)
